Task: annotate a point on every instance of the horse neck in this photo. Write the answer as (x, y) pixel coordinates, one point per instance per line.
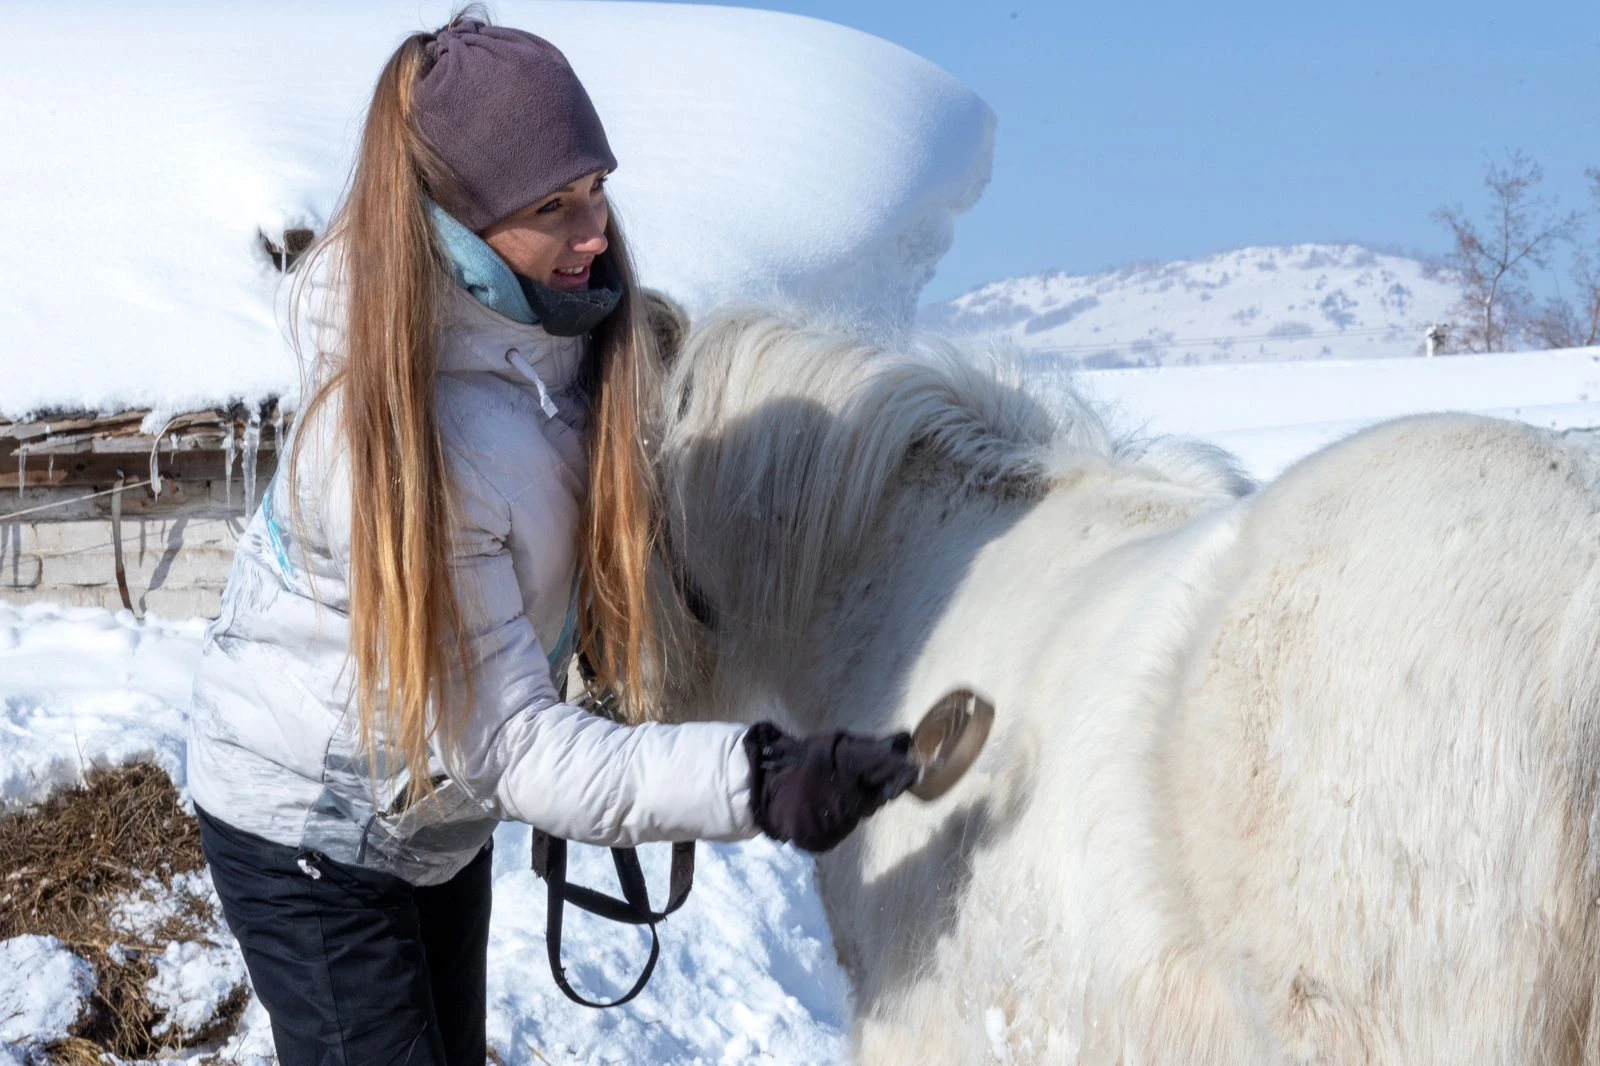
(875, 610)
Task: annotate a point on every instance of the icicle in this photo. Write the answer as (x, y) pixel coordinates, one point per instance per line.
(22, 467)
(252, 441)
(155, 449)
(229, 453)
(50, 467)
(277, 428)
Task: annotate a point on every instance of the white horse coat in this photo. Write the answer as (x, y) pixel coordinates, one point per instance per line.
(1299, 775)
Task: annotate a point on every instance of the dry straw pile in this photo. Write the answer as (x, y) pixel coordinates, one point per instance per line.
(71, 861)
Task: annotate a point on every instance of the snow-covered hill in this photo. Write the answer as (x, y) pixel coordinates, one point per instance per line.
(1302, 301)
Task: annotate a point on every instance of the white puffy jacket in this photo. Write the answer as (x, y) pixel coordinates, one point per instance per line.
(272, 746)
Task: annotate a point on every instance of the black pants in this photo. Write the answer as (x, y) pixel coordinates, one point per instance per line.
(356, 966)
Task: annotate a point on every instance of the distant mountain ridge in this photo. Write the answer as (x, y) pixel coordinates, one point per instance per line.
(1301, 301)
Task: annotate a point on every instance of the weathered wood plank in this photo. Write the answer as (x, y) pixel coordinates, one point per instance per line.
(36, 479)
(29, 431)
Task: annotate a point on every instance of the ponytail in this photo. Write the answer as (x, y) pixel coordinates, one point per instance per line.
(403, 609)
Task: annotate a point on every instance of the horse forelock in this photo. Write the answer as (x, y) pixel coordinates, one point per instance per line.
(782, 432)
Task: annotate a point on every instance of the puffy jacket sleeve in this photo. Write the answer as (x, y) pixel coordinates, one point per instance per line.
(555, 766)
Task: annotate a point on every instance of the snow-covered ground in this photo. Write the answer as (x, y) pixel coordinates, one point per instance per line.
(133, 203)
(1306, 301)
(1270, 414)
(747, 973)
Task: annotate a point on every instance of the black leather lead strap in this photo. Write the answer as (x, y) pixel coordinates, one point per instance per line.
(550, 863)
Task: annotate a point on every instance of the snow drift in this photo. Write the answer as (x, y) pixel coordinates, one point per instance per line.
(760, 154)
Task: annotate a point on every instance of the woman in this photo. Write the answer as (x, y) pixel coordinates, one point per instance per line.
(466, 500)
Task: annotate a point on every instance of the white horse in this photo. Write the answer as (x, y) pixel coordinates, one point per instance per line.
(1298, 775)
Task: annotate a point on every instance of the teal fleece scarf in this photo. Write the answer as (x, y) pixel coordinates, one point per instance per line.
(476, 268)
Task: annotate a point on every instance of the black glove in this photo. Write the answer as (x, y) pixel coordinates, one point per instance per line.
(813, 790)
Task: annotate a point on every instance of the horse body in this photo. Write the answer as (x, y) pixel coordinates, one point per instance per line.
(1010, 914)
(1398, 701)
(1300, 775)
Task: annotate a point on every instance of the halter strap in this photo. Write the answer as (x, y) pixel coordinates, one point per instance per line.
(550, 864)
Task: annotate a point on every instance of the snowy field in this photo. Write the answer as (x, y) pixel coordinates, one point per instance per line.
(747, 973)
(1270, 414)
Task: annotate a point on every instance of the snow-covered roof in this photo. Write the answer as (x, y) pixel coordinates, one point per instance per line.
(150, 146)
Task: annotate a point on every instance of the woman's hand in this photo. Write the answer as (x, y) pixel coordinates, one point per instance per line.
(812, 791)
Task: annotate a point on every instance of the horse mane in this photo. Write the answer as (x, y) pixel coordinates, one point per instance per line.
(782, 432)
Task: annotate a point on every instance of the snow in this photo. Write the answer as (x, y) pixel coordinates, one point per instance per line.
(1270, 414)
(191, 983)
(81, 688)
(747, 971)
(43, 987)
(1308, 301)
(760, 153)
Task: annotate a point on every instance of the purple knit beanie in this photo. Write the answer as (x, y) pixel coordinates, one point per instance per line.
(506, 114)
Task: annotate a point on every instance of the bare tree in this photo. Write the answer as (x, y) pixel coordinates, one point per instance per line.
(1573, 321)
(1519, 231)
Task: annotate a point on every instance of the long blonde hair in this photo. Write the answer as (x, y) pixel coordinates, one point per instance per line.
(406, 620)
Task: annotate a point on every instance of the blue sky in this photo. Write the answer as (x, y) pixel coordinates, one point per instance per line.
(1132, 131)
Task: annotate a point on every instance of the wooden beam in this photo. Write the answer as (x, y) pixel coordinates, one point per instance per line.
(37, 479)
